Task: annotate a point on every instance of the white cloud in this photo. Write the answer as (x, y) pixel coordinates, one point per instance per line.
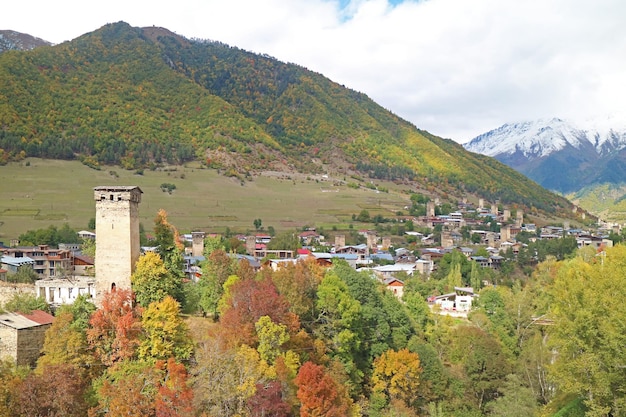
(454, 67)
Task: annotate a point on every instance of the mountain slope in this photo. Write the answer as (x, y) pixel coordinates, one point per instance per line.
(559, 155)
(143, 97)
(12, 40)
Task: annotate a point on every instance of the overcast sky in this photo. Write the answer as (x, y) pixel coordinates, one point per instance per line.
(457, 68)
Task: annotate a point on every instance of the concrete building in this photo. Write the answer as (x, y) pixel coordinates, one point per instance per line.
(117, 236)
(65, 291)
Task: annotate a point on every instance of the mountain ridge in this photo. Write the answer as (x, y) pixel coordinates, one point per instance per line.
(12, 40)
(141, 97)
(560, 155)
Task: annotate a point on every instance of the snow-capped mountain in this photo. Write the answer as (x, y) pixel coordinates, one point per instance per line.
(560, 155)
(10, 39)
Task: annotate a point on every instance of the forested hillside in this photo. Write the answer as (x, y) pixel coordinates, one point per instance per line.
(145, 97)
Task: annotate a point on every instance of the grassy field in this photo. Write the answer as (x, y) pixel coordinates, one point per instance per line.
(37, 193)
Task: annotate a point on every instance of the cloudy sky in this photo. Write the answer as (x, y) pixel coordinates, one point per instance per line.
(457, 68)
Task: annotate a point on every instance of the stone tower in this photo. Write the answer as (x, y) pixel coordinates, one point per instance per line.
(372, 241)
(117, 236)
(197, 243)
(430, 209)
(251, 245)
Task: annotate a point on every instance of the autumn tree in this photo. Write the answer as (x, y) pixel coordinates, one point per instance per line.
(115, 328)
(127, 389)
(268, 400)
(249, 300)
(239, 371)
(271, 337)
(298, 282)
(165, 334)
(174, 397)
(60, 391)
(152, 281)
(66, 345)
(11, 378)
(396, 375)
(319, 394)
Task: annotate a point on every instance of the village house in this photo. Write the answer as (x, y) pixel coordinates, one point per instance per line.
(309, 237)
(49, 262)
(361, 251)
(396, 286)
(457, 303)
(22, 336)
(12, 264)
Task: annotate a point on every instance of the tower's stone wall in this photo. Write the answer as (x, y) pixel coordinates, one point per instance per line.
(197, 243)
(117, 236)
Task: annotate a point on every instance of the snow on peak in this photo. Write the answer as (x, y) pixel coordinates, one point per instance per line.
(538, 138)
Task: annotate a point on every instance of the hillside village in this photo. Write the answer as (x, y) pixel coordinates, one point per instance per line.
(64, 273)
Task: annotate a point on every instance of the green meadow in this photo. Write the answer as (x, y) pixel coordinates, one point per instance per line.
(37, 193)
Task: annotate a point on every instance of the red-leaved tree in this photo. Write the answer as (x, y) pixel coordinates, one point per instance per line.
(249, 301)
(319, 394)
(268, 401)
(174, 397)
(114, 328)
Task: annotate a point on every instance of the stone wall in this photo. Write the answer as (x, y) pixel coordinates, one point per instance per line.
(7, 291)
(8, 343)
(29, 344)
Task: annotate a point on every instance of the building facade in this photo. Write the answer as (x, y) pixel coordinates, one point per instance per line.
(117, 236)
(48, 262)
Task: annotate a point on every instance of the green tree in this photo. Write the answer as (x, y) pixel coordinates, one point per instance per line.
(589, 331)
(24, 275)
(170, 249)
(517, 400)
(287, 240)
(340, 323)
(215, 271)
(26, 303)
(363, 217)
(258, 224)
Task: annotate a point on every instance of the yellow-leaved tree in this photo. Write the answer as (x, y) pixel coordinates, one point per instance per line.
(166, 335)
(396, 376)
